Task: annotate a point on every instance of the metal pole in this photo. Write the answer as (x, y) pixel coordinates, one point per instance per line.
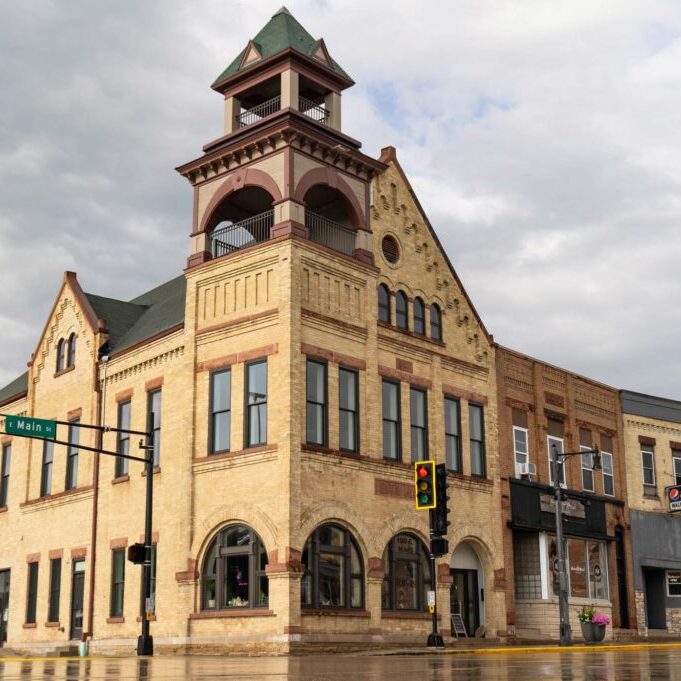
(145, 643)
(563, 612)
(434, 638)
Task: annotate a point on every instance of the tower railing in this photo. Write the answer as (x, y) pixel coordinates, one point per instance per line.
(259, 112)
(241, 234)
(313, 110)
(323, 231)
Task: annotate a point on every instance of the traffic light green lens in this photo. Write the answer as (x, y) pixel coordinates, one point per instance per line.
(423, 498)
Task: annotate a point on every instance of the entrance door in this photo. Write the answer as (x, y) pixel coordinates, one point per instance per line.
(622, 578)
(464, 598)
(655, 598)
(77, 593)
(4, 605)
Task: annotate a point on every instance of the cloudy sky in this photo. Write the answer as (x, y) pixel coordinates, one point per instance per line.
(543, 139)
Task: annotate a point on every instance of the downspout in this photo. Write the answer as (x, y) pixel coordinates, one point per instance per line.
(100, 389)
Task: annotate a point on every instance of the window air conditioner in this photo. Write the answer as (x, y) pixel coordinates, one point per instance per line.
(525, 470)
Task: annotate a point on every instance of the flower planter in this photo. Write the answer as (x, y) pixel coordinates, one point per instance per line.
(599, 631)
(588, 631)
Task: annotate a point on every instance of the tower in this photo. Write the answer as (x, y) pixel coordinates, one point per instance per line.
(284, 166)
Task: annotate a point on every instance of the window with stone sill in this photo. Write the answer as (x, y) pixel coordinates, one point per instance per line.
(233, 573)
(334, 570)
(406, 578)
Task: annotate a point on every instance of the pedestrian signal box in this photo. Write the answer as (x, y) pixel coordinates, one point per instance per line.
(424, 485)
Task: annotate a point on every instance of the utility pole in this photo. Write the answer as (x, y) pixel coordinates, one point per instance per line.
(557, 469)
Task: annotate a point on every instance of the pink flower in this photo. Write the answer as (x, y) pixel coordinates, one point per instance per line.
(600, 618)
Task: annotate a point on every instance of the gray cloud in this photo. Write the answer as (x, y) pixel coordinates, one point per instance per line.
(542, 139)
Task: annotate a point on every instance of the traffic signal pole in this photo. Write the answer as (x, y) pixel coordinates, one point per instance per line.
(434, 638)
(145, 642)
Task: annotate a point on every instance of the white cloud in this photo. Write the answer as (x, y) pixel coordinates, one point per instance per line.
(541, 138)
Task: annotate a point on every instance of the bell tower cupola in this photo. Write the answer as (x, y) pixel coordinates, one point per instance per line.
(283, 166)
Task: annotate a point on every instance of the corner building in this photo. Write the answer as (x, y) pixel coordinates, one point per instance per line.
(318, 342)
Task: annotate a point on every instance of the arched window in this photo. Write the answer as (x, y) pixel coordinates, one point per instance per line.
(435, 322)
(61, 351)
(419, 317)
(233, 573)
(71, 357)
(407, 573)
(401, 314)
(384, 304)
(334, 571)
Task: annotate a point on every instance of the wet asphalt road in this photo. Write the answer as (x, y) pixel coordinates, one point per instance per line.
(611, 665)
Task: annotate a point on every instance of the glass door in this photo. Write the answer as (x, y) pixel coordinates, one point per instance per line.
(4, 605)
(77, 593)
(464, 598)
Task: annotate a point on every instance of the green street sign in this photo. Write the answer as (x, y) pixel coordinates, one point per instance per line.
(24, 425)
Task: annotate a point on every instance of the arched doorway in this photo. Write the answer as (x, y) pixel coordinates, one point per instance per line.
(467, 595)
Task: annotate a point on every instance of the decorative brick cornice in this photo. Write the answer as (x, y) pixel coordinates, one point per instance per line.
(645, 440)
(332, 356)
(467, 395)
(405, 377)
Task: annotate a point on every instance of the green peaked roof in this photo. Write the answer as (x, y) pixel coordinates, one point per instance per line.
(281, 32)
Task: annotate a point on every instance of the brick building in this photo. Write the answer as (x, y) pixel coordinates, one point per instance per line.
(652, 436)
(318, 341)
(541, 406)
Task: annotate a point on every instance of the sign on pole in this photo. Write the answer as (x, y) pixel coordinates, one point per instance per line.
(25, 425)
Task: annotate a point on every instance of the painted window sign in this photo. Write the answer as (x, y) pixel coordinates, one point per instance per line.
(674, 582)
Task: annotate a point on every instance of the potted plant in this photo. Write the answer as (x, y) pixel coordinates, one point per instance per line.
(585, 615)
(592, 623)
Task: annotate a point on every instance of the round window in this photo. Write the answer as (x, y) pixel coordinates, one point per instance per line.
(390, 248)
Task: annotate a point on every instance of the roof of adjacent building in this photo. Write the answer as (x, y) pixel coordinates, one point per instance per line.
(660, 408)
(128, 322)
(282, 32)
(131, 322)
(17, 387)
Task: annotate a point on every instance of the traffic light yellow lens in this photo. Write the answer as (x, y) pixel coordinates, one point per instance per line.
(423, 486)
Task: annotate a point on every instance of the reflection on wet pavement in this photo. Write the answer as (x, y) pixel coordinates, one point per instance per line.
(618, 665)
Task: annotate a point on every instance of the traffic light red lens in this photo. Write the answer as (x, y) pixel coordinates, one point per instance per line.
(423, 472)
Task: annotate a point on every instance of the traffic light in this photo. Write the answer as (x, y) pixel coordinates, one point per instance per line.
(424, 485)
(441, 511)
(439, 546)
(137, 553)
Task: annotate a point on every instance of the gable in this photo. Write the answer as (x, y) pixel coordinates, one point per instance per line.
(422, 268)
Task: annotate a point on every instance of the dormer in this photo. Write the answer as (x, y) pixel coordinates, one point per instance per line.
(282, 68)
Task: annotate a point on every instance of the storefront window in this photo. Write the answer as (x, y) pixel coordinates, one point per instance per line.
(586, 566)
(407, 574)
(673, 582)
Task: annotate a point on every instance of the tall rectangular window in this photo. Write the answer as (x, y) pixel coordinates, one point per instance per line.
(46, 471)
(585, 444)
(348, 409)
(72, 455)
(418, 411)
(55, 590)
(153, 582)
(154, 412)
(526, 565)
(256, 403)
(521, 441)
(648, 465)
(4, 473)
(123, 439)
(220, 411)
(676, 466)
(453, 435)
(117, 582)
(392, 436)
(554, 442)
(315, 403)
(476, 426)
(607, 467)
(31, 593)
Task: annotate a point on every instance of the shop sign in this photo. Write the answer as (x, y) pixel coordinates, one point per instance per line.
(570, 507)
(674, 498)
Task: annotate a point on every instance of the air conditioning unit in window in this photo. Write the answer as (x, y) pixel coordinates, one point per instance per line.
(525, 470)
